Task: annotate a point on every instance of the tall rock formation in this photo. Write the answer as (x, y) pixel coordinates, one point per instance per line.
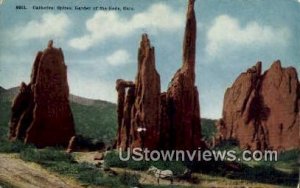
(146, 109)
(126, 98)
(261, 111)
(169, 120)
(41, 113)
(182, 95)
(139, 108)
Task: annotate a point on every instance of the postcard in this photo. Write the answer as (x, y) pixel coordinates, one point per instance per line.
(138, 93)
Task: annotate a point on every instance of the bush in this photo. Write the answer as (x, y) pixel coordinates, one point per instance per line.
(129, 179)
(227, 145)
(177, 167)
(291, 155)
(12, 147)
(65, 168)
(138, 165)
(46, 155)
(208, 128)
(89, 174)
(112, 160)
(86, 143)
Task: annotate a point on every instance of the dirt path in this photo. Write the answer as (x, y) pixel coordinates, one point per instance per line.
(30, 175)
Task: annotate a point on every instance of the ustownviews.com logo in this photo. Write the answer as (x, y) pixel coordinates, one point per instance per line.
(139, 154)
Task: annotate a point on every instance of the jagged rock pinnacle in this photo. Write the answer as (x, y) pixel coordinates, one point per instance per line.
(189, 43)
(50, 44)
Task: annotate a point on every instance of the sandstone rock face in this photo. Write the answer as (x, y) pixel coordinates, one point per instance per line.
(41, 114)
(154, 120)
(124, 89)
(261, 111)
(182, 95)
(280, 94)
(139, 113)
(165, 126)
(146, 108)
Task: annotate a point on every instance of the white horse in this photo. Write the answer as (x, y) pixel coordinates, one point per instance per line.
(161, 174)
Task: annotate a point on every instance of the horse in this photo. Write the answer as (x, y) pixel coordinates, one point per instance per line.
(161, 174)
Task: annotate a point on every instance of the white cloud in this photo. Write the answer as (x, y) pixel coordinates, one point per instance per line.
(49, 25)
(119, 57)
(227, 33)
(103, 25)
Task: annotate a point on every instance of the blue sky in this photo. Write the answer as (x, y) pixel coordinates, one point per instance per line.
(101, 46)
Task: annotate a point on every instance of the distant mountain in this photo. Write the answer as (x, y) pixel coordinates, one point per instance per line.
(88, 102)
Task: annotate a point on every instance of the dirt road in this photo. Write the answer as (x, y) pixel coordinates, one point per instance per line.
(30, 175)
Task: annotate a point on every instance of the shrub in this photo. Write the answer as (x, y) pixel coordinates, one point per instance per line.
(30, 154)
(46, 155)
(138, 165)
(129, 179)
(112, 160)
(12, 147)
(291, 155)
(208, 128)
(227, 145)
(65, 168)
